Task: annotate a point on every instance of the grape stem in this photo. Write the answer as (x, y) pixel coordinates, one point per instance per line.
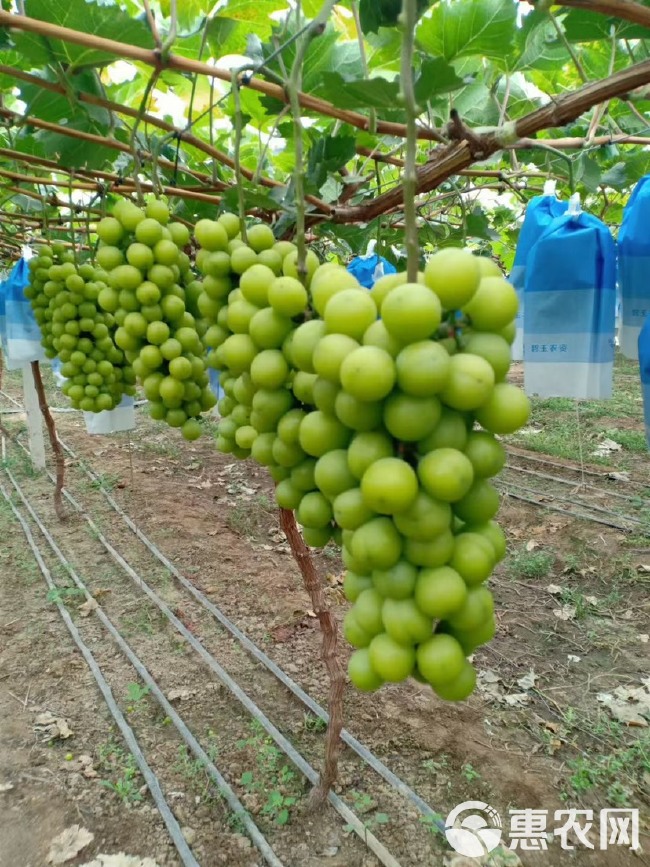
(330, 656)
(54, 441)
(293, 89)
(409, 20)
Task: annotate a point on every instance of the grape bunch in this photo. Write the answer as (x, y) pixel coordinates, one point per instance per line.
(251, 297)
(151, 294)
(388, 445)
(64, 298)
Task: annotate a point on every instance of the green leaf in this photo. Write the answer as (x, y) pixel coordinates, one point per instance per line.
(374, 14)
(476, 105)
(54, 107)
(467, 27)
(328, 154)
(587, 172)
(110, 22)
(540, 45)
(247, 778)
(583, 26)
(382, 818)
(363, 93)
(436, 77)
(615, 177)
(189, 12)
(477, 225)
(228, 32)
(326, 53)
(254, 199)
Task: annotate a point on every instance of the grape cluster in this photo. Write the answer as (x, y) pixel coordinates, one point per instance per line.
(151, 295)
(64, 298)
(378, 415)
(250, 296)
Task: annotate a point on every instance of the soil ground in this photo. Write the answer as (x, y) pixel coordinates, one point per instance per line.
(545, 730)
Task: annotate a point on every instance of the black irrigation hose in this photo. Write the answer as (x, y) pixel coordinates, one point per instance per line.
(285, 745)
(571, 482)
(150, 778)
(574, 502)
(222, 785)
(526, 455)
(362, 751)
(562, 511)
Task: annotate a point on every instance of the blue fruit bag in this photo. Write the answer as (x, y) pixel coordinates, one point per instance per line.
(569, 309)
(22, 337)
(643, 349)
(540, 212)
(634, 267)
(370, 267)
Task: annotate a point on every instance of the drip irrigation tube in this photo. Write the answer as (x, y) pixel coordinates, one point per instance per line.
(285, 745)
(150, 778)
(523, 454)
(562, 511)
(575, 502)
(571, 482)
(222, 785)
(362, 751)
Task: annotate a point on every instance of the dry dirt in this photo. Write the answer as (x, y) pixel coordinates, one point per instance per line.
(513, 745)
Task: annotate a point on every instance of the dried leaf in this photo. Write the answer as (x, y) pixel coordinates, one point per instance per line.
(51, 727)
(566, 612)
(644, 637)
(642, 567)
(530, 546)
(572, 658)
(551, 726)
(606, 447)
(528, 680)
(6, 787)
(121, 860)
(335, 580)
(82, 764)
(202, 486)
(591, 600)
(88, 607)
(180, 694)
(517, 699)
(630, 706)
(619, 477)
(68, 844)
(555, 590)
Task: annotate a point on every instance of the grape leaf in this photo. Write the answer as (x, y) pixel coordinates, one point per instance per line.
(466, 27)
(327, 154)
(583, 26)
(110, 22)
(362, 93)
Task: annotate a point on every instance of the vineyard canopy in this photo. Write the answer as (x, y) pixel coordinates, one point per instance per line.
(102, 99)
